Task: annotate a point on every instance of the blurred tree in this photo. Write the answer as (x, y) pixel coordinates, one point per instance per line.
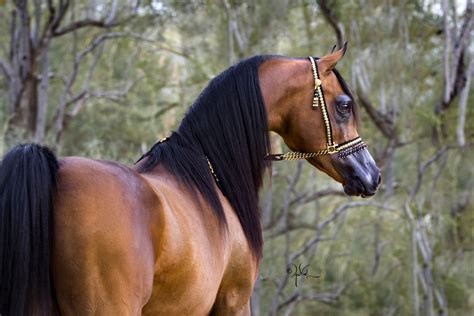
(109, 77)
(27, 66)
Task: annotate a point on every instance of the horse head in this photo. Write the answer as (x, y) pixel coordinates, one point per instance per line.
(310, 106)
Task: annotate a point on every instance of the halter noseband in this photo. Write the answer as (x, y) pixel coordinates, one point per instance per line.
(344, 150)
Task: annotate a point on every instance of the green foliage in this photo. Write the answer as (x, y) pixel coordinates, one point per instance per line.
(395, 47)
(457, 294)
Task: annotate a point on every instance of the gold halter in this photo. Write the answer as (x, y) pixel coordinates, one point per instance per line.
(344, 149)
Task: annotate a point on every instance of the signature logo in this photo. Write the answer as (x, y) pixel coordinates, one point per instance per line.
(296, 271)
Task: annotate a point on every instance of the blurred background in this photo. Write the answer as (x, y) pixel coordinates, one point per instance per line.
(106, 79)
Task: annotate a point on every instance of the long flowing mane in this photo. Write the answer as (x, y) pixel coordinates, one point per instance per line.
(226, 125)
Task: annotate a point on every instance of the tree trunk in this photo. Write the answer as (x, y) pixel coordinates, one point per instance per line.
(462, 106)
(22, 83)
(21, 123)
(255, 299)
(42, 99)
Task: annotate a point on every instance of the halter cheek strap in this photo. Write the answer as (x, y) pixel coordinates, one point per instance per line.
(348, 148)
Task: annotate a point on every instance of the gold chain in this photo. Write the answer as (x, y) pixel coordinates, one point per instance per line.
(356, 143)
(211, 168)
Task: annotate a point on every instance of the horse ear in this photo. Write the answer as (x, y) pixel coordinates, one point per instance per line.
(328, 62)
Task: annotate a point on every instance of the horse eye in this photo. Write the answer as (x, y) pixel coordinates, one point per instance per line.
(343, 103)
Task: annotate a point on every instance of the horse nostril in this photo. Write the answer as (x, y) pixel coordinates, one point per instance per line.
(379, 179)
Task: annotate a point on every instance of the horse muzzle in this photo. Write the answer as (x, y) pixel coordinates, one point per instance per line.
(361, 176)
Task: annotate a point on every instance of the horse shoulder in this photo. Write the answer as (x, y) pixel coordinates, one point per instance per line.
(191, 250)
(240, 272)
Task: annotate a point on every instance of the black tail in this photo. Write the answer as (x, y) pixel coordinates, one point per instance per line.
(27, 182)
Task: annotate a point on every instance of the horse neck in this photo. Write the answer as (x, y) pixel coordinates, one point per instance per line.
(285, 83)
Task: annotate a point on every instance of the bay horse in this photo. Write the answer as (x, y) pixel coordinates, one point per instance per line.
(179, 232)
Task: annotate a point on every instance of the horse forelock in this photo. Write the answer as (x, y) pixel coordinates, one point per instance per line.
(228, 125)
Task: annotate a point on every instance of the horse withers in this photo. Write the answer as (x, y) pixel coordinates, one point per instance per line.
(179, 232)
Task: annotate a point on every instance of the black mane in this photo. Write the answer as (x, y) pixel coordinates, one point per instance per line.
(227, 124)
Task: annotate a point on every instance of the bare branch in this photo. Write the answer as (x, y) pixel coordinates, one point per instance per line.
(331, 218)
(463, 104)
(383, 122)
(446, 54)
(12, 29)
(7, 70)
(313, 242)
(463, 39)
(99, 40)
(455, 51)
(230, 39)
(76, 98)
(110, 22)
(308, 198)
(281, 218)
(330, 16)
(165, 109)
(81, 24)
(42, 98)
(60, 14)
(14, 83)
(37, 15)
(112, 14)
(423, 166)
(329, 298)
(378, 247)
(112, 95)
